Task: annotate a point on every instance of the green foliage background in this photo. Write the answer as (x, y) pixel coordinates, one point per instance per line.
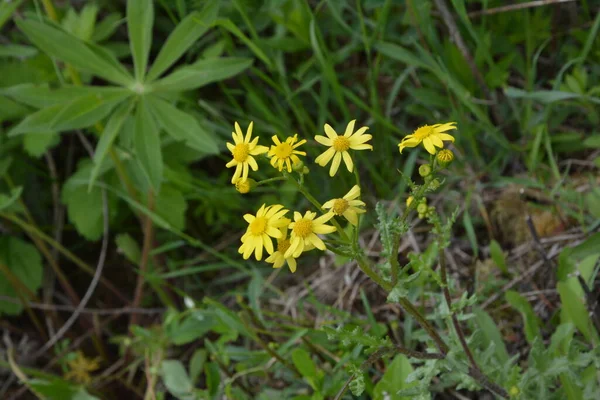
(119, 113)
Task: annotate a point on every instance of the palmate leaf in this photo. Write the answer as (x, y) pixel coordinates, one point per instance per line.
(57, 43)
(147, 144)
(182, 126)
(79, 113)
(185, 34)
(202, 73)
(140, 20)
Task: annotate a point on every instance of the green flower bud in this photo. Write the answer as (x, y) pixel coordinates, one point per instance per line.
(425, 170)
(245, 186)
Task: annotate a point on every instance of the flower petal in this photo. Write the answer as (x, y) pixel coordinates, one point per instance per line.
(252, 163)
(445, 136)
(316, 241)
(352, 193)
(350, 128)
(337, 159)
(325, 141)
(249, 132)
(330, 132)
(323, 229)
(291, 262)
(324, 158)
(437, 142)
(348, 161)
(268, 243)
(428, 145)
(351, 216)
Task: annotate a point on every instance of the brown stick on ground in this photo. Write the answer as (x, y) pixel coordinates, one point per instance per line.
(464, 50)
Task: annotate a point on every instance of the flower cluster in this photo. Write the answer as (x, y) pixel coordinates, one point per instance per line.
(284, 240)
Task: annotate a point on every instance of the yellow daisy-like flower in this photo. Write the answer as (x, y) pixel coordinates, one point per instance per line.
(347, 206)
(278, 257)
(340, 144)
(242, 150)
(431, 136)
(285, 152)
(304, 232)
(261, 229)
(80, 367)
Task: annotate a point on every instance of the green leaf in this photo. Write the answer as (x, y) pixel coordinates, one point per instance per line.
(129, 247)
(42, 96)
(202, 73)
(304, 364)
(573, 308)
(25, 263)
(7, 8)
(175, 378)
(171, 206)
(185, 34)
(491, 333)
(394, 380)
(36, 144)
(11, 110)
(7, 201)
(86, 22)
(140, 19)
(182, 126)
(498, 256)
(532, 323)
(106, 27)
(17, 51)
(85, 209)
(147, 145)
(59, 389)
(547, 96)
(112, 129)
(77, 114)
(196, 325)
(81, 55)
(197, 364)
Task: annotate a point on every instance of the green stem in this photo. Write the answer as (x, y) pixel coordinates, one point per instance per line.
(265, 181)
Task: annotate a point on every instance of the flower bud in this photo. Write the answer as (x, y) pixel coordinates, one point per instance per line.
(422, 209)
(514, 391)
(245, 186)
(425, 170)
(444, 157)
(435, 184)
(409, 200)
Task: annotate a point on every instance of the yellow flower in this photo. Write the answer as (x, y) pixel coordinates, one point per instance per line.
(80, 368)
(409, 200)
(278, 257)
(261, 228)
(304, 233)
(347, 205)
(285, 153)
(431, 136)
(242, 151)
(340, 144)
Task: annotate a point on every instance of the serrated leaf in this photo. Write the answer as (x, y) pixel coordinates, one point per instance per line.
(25, 263)
(147, 145)
(140, 19)
(182, 126)
(202, 73)
(84, 56)
(185, 34)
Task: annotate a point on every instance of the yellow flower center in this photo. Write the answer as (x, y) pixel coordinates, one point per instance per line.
(341, 143)
(258, 226)
(240, 152)
(283, 245)
(303, 228)
(422, 132)
(340, 206)
(283, 150)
